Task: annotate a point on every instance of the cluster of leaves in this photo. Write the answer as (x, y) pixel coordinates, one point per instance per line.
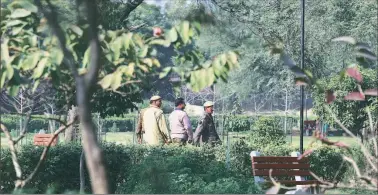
(127, 57)
(351, 113)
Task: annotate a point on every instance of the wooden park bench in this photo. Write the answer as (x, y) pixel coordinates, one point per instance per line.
(44, 139)
(282, 166)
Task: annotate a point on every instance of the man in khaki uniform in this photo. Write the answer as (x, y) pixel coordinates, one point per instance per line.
(205, 132)
(154, 124)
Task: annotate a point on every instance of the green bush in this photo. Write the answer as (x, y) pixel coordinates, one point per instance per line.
(238, 123)
(266, 131)
(326, 162)
(131, 169)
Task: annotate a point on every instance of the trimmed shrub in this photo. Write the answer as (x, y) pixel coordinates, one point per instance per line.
(266, 131)
(131, 169)
(326, 162)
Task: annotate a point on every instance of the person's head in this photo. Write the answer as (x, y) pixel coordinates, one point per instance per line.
(156, 101)
(209, 107)
(180, 103)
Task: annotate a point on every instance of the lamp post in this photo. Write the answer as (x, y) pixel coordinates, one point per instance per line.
(302, 66)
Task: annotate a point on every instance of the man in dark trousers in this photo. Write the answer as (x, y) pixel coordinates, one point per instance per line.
(205, 132)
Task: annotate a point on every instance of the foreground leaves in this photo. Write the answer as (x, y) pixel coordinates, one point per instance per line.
(127, 57)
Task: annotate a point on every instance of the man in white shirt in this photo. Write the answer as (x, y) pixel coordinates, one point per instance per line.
(181, 129)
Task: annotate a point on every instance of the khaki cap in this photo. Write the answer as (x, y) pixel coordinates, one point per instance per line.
(208, 104)
(155, 97)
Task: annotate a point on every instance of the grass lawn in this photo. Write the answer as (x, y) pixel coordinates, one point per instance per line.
(130, 138)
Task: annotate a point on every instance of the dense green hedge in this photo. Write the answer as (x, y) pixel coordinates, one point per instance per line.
(139, 169)
(127, 122)
(133, 169)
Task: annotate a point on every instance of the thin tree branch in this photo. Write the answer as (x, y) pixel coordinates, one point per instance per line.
(132, 28)
(278, 184)
(368, 156)
(131, 6)
(59, 33)
(372, 131)
(46, 118)
(21, 183)
(367, 179)
(15, 162)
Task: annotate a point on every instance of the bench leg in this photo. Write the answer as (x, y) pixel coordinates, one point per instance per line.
(298, 178)
(258, 179)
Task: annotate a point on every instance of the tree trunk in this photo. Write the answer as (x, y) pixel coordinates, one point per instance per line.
(70, 134)
(92, 151)
(82, 178)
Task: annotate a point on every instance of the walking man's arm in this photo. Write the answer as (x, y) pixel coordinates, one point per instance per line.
(188, 127)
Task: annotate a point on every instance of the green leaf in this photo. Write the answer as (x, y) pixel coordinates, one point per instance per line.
(5, 50)
(309, 74)
(106, 81)
(345, 39)
(77, 30)
(111, 34)
(185, 31)
(31, 61)
(10, 71)
(233, 57)
(130, 69)
(26, 5)
(117, 79)
(126, 40)
(20, 13)
(14, 23)
(201, 79)
(143, 52)
(147, 61)
(16, 30)
(56, 56)
(13, 90)
(3, 77)
(156, 62)
(222, 59)
(86, 57)
(161, 42)
(143, 67)
(40, 68)
(172, 35)
(165, 72)
(217, 67)
(35, 85)
(33, 39)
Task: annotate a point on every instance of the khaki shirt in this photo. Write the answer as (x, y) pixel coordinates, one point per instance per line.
(140, 129)
(155, 126)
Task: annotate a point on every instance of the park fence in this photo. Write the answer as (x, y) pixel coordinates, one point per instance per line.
(228, 126)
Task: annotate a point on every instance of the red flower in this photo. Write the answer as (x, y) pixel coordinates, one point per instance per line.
(157, 31)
